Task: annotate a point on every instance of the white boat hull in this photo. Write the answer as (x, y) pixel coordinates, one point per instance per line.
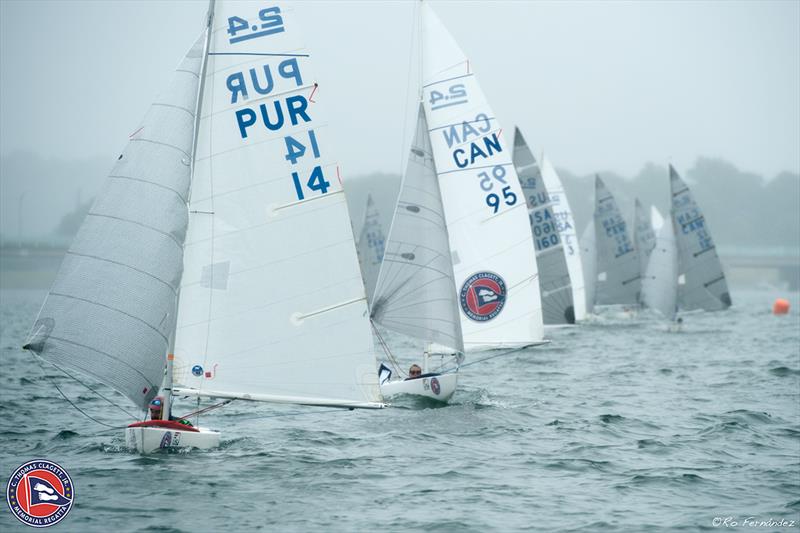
(151, 439)
(439, 387)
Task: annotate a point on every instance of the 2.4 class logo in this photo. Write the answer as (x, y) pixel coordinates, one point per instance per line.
(40, 493)
(483, 296)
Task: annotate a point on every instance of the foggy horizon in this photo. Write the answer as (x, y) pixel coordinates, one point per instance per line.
(600, 87)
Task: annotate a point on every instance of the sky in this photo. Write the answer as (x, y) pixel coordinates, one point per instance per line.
(600, 86)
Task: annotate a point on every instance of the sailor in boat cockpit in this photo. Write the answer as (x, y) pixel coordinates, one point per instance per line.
(157, 408)
(414, 372)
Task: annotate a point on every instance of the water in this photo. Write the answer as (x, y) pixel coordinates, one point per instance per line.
(619, 425)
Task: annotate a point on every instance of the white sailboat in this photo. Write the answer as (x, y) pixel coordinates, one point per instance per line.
(371, 246)
(554, 280)
(701, 280)
(569, 237)
(589, 265)
(209, 240)
(660, 279)
(414, 294)
(644, 236)
(490, 239)
(459, 271)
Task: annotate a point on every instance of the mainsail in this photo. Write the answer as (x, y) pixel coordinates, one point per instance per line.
(371, 245)
(659, 283)
(554, 282)
(272, 305)
(414, 294)
(618, 277)
(490, 238)
(110, 313)
(701, 281)
(569, 236)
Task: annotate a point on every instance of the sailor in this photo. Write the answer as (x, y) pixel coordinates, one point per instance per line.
(157, 408)
(414, 372)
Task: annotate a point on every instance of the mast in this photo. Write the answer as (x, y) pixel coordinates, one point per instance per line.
(168, 377)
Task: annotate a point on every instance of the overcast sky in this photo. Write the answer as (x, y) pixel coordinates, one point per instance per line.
(598, 85)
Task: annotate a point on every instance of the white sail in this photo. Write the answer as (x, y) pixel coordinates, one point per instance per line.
(371, 245)
(569, 235)
(272, 306)
(701, 281)
(554, 282)
(414, 294)
(618, 277)
(589, 265)
(643, 236)
(111, 310)
(490, 238)
(660, 280)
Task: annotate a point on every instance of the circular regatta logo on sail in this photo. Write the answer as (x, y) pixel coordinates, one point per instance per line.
(483, 296)
(40, 493)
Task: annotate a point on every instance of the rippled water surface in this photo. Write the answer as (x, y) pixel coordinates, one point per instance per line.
(618, 425)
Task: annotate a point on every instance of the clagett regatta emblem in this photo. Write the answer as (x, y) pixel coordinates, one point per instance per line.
(483, 296)
(40, 493)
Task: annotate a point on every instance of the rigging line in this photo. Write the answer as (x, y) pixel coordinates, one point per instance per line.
(84, 413)
(507, 352)
(385, 347)
(408, 86)
(206, 409)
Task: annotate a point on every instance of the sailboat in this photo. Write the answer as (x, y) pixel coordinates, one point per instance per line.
(618, 280)
(459, 269)
(643, 235)
(554, 280)
(660, 278)
(197, 270)
(567, 231)
(701, 281)
(371, 245)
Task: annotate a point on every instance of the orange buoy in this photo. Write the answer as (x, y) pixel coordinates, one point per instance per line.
(780, 307)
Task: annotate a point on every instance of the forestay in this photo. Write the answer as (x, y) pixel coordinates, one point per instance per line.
(659, 283)
(701, 281)
(490, 238)
(272, 306)
(371, 246)
(569, 235)
(414, 294)
(618, 277)
(111, 310)
(554, 282)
